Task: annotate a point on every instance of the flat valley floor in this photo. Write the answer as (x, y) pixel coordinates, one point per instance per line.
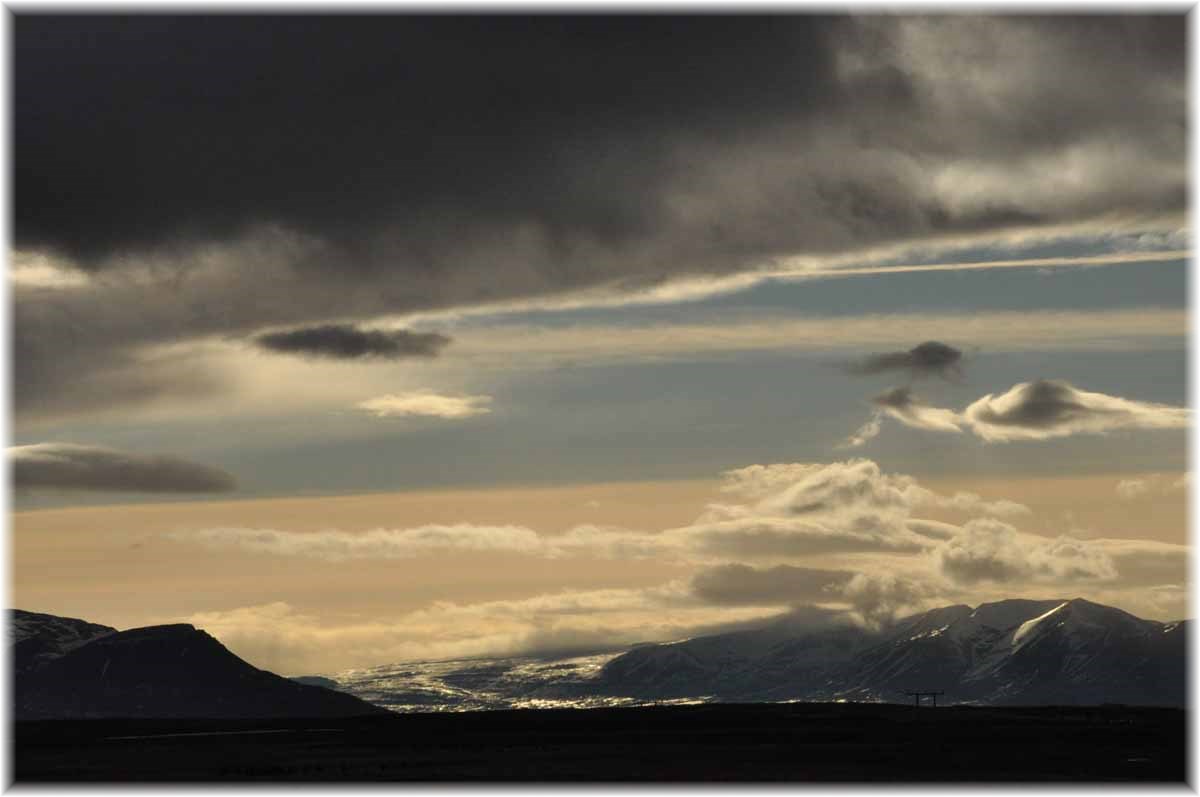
(796, 742)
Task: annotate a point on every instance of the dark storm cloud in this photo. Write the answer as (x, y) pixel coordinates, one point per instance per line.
(738, 584)
(194, 165)
(200, 126)
(64, 466)
(347, 342)
(927, 359)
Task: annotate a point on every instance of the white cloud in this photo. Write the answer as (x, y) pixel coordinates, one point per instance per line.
(426, 404)
(1154, 484)
(1131, 488)
(901, 404)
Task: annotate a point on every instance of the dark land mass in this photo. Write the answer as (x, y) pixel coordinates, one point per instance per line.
(160, 671)
(796, 742)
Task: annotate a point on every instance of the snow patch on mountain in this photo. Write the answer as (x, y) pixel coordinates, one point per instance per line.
(1026, 628)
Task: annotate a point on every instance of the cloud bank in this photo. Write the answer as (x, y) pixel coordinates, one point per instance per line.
(837, 540)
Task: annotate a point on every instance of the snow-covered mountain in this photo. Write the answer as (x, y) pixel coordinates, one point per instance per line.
(38, 638)
(1009, 652)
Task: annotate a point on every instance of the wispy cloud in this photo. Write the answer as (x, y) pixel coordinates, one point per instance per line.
(865, 433)
(1155, 484)
(1052, 330)
(340, 546)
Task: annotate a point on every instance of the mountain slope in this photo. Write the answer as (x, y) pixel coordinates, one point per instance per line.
(773, 663)
(167, 671)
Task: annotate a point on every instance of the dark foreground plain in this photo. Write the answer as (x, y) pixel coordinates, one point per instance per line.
(763, 742)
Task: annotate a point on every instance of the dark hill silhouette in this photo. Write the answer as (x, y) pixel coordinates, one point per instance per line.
(168, 671)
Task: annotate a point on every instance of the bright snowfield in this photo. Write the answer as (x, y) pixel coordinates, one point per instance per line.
(1008, 652)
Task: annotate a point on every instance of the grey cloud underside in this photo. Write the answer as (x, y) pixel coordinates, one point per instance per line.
(403, 163)
(347, 342)
(739, 584)
(926, 359)
(64, 466)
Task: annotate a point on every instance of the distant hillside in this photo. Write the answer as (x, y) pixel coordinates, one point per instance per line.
(166, 671)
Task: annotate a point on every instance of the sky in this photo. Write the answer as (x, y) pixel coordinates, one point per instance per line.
(360, 339)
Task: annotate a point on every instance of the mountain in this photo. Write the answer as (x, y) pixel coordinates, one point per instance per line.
(37, 638)
(162, 671)
(1013, 652)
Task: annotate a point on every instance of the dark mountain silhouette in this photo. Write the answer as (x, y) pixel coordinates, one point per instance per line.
(37, 638)
(1013, 652)
(315, 680)
(167, 671)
